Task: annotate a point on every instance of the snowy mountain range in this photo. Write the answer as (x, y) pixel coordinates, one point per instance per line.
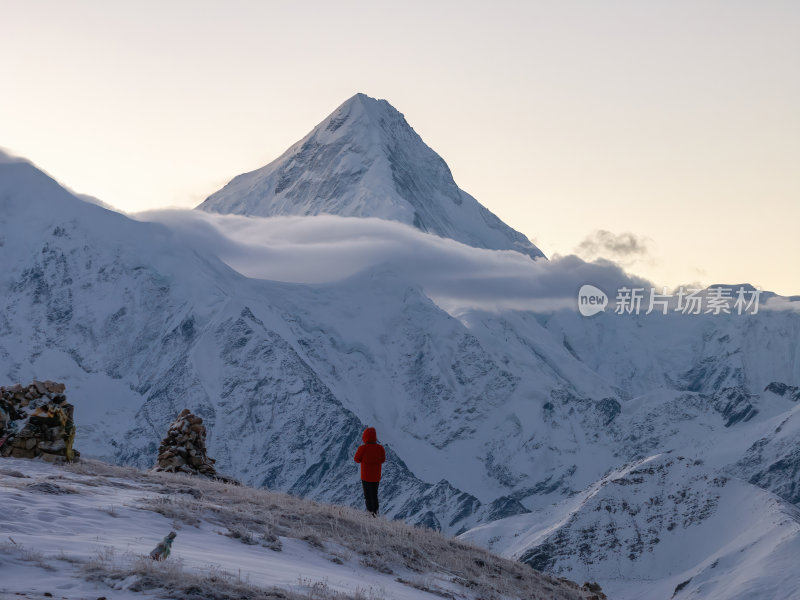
(595, 448)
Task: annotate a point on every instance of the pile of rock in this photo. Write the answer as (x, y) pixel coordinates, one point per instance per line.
(36, 422)
(183, 450)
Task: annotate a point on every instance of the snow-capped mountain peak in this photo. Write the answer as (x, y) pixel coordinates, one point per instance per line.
(365, 160)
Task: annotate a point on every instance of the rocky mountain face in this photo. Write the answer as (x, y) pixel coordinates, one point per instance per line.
(365, 160)
(142, 329)
(663, 527)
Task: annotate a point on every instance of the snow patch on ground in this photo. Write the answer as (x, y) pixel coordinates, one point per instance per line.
(75, 534)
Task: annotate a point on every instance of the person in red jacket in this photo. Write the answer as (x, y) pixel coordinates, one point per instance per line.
(371, 455)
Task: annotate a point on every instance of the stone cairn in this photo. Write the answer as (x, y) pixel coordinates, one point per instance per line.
(183, 450)
(36, 422)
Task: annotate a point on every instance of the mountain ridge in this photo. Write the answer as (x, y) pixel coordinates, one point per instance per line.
(365, 160)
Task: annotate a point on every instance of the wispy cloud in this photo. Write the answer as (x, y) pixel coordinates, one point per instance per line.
(602, 243)
(326, 249)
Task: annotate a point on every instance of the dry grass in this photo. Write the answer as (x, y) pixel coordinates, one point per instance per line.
(22, 552)
(141, 574)
(263, 517)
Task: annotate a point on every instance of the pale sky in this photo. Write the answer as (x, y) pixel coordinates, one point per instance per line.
(673, 127)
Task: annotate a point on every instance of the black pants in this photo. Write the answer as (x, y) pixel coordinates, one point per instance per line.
(371, 495)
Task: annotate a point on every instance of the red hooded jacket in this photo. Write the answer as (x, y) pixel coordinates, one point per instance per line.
(371, 455)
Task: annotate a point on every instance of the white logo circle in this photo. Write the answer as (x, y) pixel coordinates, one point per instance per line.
(591, 300)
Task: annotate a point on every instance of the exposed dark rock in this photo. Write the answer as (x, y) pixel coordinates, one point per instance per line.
(781, 477)
(37, 422)
(680, 586)
(542, 558)
(608, 409)
(782, 389)
(735, 405)
(505, 507)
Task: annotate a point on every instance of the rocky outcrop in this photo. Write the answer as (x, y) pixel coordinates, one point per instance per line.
(36, 422)
(183, 450)
(735, 405)
(781, 389)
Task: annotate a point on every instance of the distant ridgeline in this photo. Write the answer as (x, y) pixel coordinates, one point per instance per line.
(36, 422)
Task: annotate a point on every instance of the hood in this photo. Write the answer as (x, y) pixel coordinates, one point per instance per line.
(369, 436)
